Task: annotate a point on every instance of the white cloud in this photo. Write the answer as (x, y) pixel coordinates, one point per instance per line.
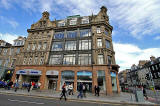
(8, 37)
(129, 54)
(157, 38)
(5, 3)
(13, 23)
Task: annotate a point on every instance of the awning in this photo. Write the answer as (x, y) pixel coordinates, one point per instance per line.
(29, 72)
(52, 72)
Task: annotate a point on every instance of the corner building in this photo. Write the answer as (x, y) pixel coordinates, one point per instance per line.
(76, 49)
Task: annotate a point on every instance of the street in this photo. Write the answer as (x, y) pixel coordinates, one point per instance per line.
(19, 100)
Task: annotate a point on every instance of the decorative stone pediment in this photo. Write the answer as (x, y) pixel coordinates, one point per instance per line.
(102, 15)
(43, 22)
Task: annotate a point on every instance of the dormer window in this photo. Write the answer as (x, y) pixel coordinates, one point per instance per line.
(73, 21)
(62, 23)
(85, 20)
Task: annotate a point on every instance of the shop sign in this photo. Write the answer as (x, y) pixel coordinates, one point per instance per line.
(52, 72)
(29, 72)
(113, 74)
(84, 73)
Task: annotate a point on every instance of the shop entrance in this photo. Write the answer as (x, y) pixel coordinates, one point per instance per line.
(52, 84)
(88, 85)
(85, 77)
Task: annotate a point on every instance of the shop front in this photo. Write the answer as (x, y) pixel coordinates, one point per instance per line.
(67, 77)
(28, 75)
(101, 80)
(52, 78)
(114, 82)
(85, 77)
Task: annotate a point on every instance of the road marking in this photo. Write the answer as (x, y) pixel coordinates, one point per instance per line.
(25, 102)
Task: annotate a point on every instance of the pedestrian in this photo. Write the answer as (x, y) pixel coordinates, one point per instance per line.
(98, 90)
(16, 86)
(144, 92)
(84, 90)
(33, 84)
(39, 85)
(63, 94)
(80, 91)
(71, 89)
(95, 90)
(29, 86)
(10, 83)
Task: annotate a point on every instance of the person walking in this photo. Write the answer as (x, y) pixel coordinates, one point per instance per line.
(98, 90)
(144, 92)
(29, 86)
(95, 90)
(84, 90)
(71, 89)
(80, 91)
(16, 86)
(63, 94)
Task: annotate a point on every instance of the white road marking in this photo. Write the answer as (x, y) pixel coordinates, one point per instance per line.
(25, 102)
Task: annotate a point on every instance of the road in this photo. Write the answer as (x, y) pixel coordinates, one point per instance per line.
(21, 100)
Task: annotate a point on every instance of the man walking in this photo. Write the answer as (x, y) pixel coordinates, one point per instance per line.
(16, 86)
(63, 94)
(80, 91)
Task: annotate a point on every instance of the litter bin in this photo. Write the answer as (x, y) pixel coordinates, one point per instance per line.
(139, 96)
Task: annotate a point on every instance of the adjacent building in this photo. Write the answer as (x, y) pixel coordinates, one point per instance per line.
(9, 57)
(74, 50)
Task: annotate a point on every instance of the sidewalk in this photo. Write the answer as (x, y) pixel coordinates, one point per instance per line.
(124, 98)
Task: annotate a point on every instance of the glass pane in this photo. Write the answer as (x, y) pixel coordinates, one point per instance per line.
(71, 34)
(57, 46)
(70, 45)
(85, 33)
(59, 35)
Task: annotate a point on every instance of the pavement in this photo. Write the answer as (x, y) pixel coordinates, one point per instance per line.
(122, 98)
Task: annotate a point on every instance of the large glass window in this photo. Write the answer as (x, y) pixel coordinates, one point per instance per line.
(71, 34)
(106, 32)
(69, 59)
(85, 33)
(84, 44)
(70, 45)
(61, 23)
(100, 59)
(73, 21)
(59, 35)
(29, 46)
(1, 62)
(5, 50)
(11, 51)
(85, 20)
(98, 30)
(18, 50)
(108, 44)
(55, 59)
(39, 45)
(44, 45)
(84, 59)
(57, 46)
(99, 42)
(109, 59)
(101, 79)
(6, 62)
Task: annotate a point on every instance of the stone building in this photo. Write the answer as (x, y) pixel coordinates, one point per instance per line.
(9, 57)
(73, 50)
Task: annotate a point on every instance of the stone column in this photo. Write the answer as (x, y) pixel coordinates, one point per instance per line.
(118, 88)
(75, 81)
(108, 82)
(43, 78)
(94, 78)
(59, 81)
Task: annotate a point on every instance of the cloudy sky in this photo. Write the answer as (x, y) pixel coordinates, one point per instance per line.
(136, 23)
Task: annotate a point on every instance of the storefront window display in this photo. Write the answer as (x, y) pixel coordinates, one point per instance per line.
(101, 80)
(114, 82)
(85, 77)
(67, 77)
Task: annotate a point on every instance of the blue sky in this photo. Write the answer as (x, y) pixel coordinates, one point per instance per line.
(136, 23)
